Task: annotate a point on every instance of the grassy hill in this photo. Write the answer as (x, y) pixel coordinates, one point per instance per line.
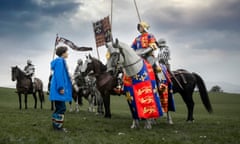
(34, 125)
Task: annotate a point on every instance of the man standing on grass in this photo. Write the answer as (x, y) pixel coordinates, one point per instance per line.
(60, 88)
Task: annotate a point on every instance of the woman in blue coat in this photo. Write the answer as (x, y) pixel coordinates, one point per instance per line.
(60, 88)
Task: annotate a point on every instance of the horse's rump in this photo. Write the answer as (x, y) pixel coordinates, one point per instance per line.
(38, 84)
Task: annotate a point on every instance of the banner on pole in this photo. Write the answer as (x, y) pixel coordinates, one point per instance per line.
(71, 44)
(102, 31)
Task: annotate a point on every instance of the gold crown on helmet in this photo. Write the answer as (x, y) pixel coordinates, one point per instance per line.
(144, 25)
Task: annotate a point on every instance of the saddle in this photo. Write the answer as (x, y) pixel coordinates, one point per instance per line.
(180, 72)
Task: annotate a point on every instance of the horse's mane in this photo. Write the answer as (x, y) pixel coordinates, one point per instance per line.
(103, 67)
(22, 73)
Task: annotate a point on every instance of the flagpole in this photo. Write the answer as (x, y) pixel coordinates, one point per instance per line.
(54, 50)
(139, 18)
(98, 53)
(111, 18)
(96, 43)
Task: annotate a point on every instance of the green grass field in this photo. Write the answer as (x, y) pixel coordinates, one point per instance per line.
(34, 125)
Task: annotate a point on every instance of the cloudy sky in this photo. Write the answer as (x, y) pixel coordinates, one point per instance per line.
(203, 36)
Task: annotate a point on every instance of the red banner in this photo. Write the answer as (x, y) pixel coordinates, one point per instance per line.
(145, 101)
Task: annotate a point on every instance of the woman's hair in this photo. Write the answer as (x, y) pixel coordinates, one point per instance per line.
(61, 50)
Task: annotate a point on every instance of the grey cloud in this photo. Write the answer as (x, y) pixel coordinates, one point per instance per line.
(27, 16)
(220, 15)
(215, 26)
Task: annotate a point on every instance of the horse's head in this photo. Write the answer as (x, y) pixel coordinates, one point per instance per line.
(122, 55)
(17, 73)
(14, 73)
(115, 57)
(92, 64)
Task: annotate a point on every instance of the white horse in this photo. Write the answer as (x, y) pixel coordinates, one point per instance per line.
(121, 55)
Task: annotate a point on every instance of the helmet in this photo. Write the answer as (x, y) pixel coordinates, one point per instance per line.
(144, 25)
(29, 62)
(161, 43)
(80, 62)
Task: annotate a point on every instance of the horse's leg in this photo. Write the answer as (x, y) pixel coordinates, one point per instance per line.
(187, 97)
(20, 100)
(77, 104)
(106, 101)
(169, 118)
(135, 124)
(190, 106)
(90, 103)
(70, 105)
(100, 107)
(35, 100)
(98, 100)
(148, 124)
(38, 92)
(99, 103)
(41, 95)
(25, 100)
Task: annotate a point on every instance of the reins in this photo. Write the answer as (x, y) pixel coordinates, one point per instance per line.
(133, 63)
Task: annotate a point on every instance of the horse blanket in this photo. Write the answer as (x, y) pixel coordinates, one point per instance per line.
(142, 94)
(166, 90)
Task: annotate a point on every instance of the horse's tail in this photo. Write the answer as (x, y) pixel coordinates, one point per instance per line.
(203, 92)
(42, 96)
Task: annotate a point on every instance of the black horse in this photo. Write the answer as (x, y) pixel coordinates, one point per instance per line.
(184, 83)
(24, 86)
(106, 82)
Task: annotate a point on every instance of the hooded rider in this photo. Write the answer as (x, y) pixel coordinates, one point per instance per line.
(29, 70)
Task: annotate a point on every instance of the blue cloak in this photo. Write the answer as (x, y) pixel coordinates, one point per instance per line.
(60, 80)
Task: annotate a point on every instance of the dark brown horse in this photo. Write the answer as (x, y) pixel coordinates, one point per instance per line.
(24, 86)
(105, 81)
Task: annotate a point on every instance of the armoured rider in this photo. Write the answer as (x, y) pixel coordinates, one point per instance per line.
(164, 53)
(145, 44)
(29, 70)
(77, 73)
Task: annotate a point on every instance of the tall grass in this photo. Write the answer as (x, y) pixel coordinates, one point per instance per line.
(34, 125)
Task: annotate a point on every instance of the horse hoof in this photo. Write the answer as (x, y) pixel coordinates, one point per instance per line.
(170, 122)
(134, 126)
(107, 116)
(147, 127)
(190, 121)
